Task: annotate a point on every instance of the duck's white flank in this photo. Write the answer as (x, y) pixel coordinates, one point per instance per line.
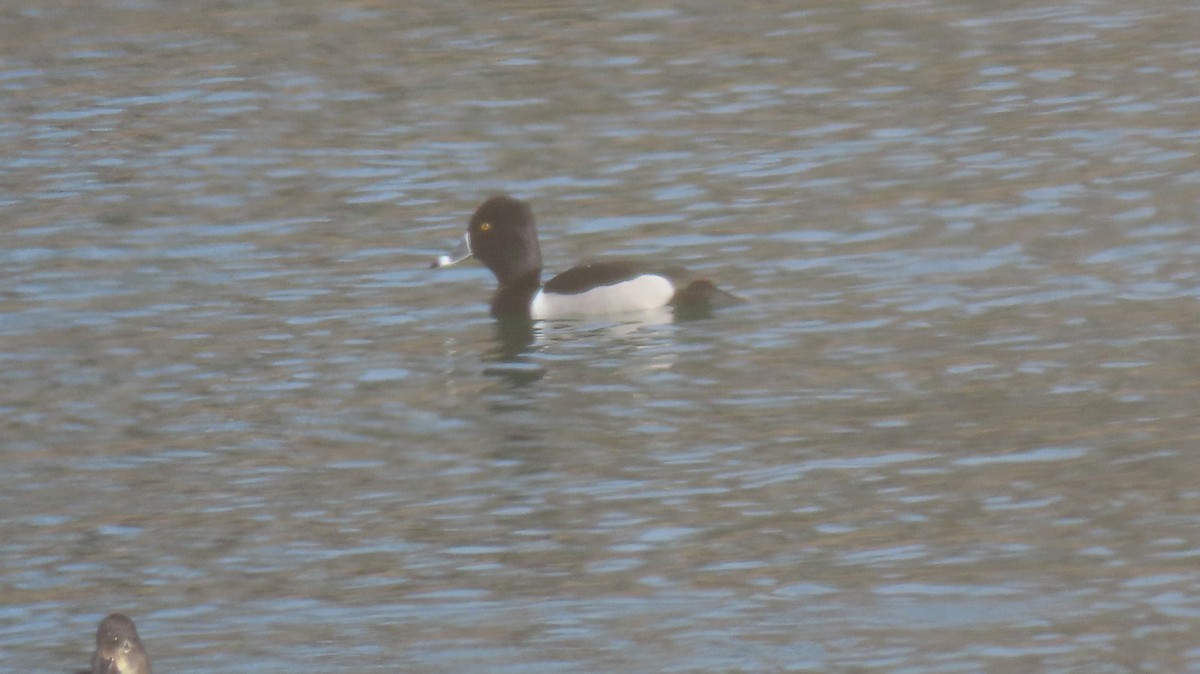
(647, 291)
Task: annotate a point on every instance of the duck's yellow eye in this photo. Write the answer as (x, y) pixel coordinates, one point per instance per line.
(485, 226)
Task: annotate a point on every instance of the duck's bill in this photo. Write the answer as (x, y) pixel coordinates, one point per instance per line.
(461, 252)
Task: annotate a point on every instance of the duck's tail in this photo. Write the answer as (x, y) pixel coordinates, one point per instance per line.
(703, 294)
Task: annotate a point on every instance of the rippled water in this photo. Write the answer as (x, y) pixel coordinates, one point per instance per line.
(952, 430)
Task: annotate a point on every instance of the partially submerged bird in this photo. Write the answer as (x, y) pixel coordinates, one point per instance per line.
(502, 235)
(118, 648)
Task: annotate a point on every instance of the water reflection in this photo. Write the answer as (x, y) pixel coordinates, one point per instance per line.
(514, 337)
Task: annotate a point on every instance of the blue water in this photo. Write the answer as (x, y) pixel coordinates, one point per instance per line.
(951, 430)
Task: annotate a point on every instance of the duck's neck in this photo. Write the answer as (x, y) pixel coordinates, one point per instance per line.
(514, 295)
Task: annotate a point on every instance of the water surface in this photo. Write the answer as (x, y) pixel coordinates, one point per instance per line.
(952, 431)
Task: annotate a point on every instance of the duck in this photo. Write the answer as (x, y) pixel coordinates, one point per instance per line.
(118, 648)
(502, 234)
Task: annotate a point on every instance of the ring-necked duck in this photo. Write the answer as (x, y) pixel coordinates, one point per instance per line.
(502, 235)
(118, 649)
